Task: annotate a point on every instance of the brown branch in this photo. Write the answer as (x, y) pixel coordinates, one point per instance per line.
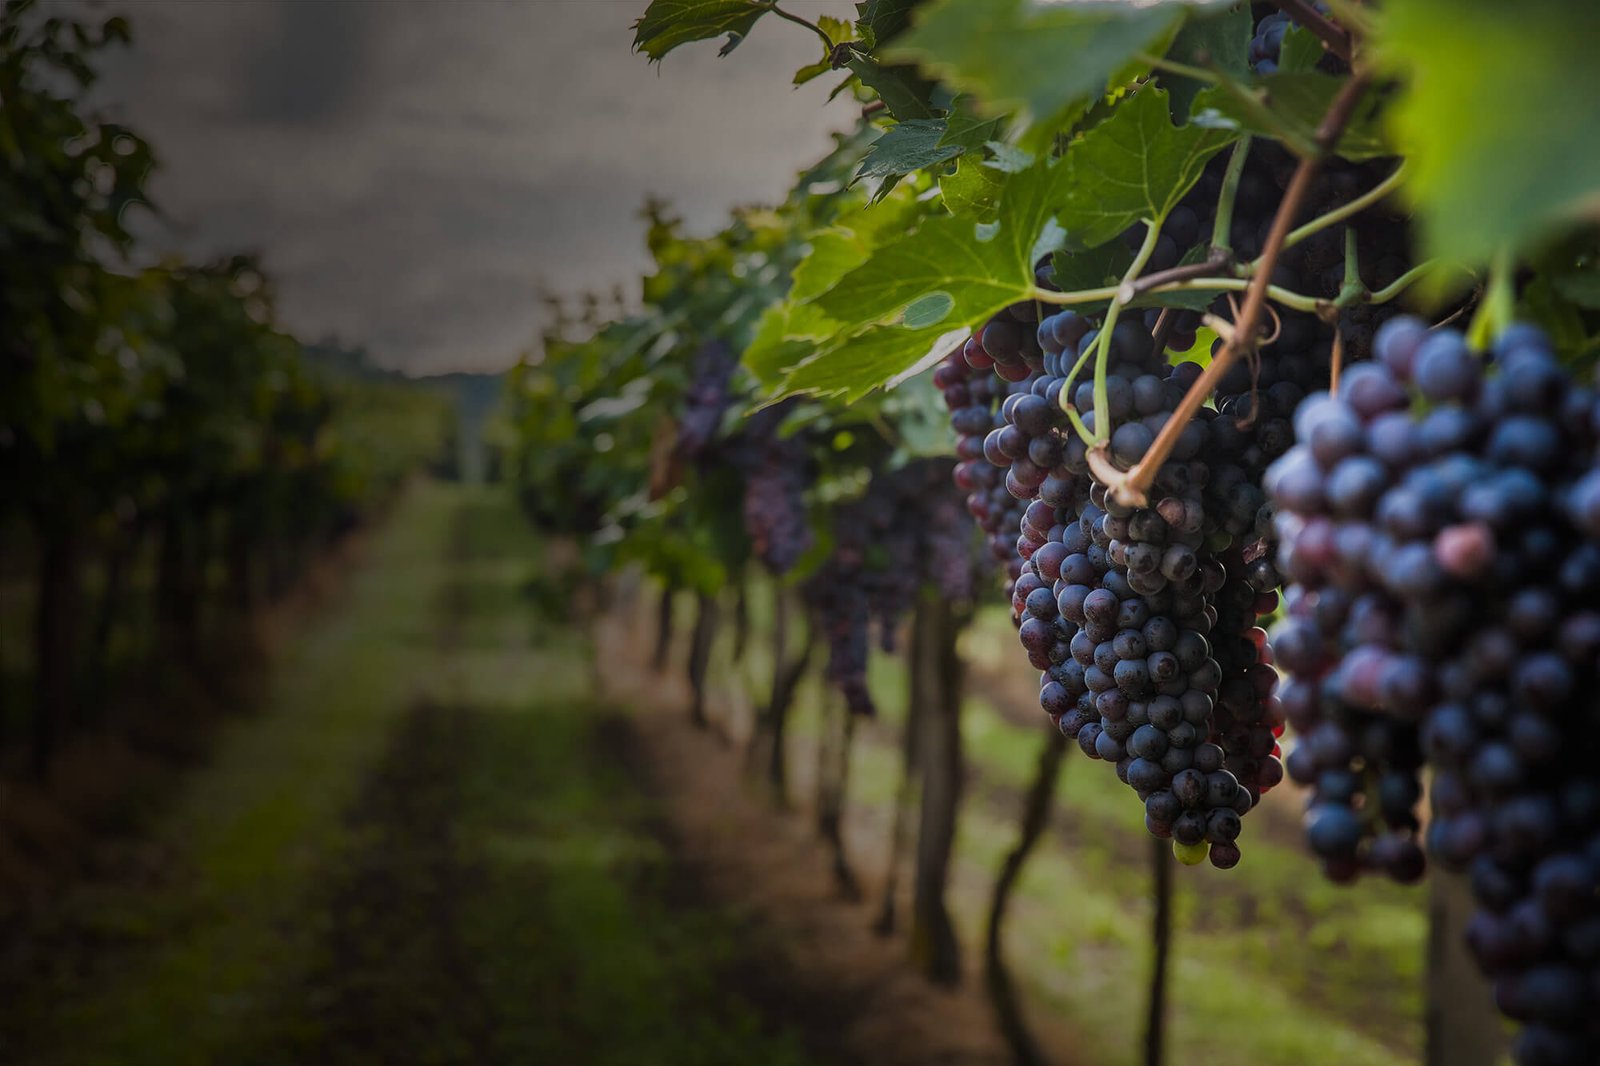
(1133, 489)
(1163, 330)
(1184, 272)
(1338, 362)
(1336, 40)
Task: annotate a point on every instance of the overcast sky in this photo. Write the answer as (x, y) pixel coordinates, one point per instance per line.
(411, 169)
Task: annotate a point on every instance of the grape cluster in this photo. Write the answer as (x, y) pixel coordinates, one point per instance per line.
(1266, 45)
(778, 470)
(907, 530)
(706, 399)
(973, 394)
(1436, 525)
(1149, 656)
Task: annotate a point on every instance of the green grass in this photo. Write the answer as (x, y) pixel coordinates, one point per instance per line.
(559, 915)
(250, 830)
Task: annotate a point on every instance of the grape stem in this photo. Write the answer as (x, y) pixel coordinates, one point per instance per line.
(1182, 70)
(1353, 290)
(1221, 257)
(1354, 207)
(827, 42)
(1133, 487)
(1402, 283)
(1222, 225)
(1333, 38)
(1298, 301)
(1102, 357)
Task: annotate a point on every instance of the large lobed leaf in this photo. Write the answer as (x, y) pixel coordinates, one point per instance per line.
(913, 297)
(1498, 117)
(1135, 165)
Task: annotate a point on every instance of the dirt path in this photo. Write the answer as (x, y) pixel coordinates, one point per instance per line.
(820, 963)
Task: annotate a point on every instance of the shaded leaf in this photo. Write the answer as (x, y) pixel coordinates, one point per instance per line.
(965, 128)
(1290, 106)
(1582, 289)
(1301, 50)
(905, 94)
(1219, 37)
(666, 24)
(1134, 165)
(1091, 268)
(880, 20)
(906, 147)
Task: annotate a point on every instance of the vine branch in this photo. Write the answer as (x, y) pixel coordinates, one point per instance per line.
(1161, 280)
(1402, 283)
(827, 42)
(1182, 70)
(1333, 38)
(1344, 211)
(1133, 487)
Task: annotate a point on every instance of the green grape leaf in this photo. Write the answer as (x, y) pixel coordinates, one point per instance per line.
(879, 20)
(906, 147)
(1581, 287)
(1543, 301)
(1301, 50)
(789, 332)
(972, 188)
(844, 246)
(1045, 60)
(983, 267)
(965, 128)
(1289, 107)
(1497, 117)
(1134, 165)
(917, 296)
(1092, 268)
(812, 70)
(1008, 158)
(906, 95)
(666, 24)
(839, 31)
(834, 253)
(1218, 36)
(878, 356)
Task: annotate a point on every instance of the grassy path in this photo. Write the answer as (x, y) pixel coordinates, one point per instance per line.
(424, 849)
